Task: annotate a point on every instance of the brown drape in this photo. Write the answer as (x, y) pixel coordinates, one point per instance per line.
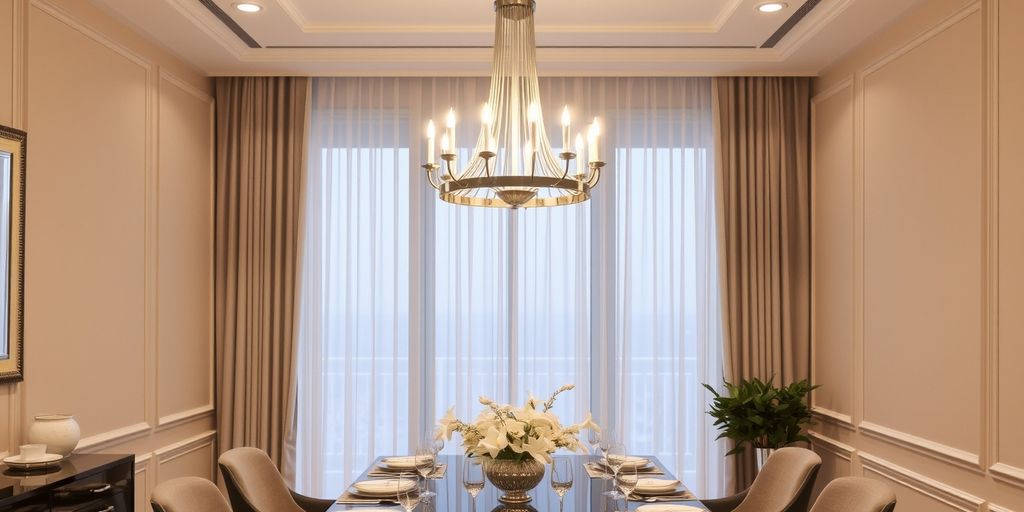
(762, 139)
(261, 131)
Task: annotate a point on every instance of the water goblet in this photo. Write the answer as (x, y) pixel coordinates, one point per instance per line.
(408, 491)
(614, 458)
(426, 463)
(561, 479)
(626, 480)
(473, 480)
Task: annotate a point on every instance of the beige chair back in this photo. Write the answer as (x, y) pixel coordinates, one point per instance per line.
(188, 494)
(254, 483)
(852, 494)
(784, 483)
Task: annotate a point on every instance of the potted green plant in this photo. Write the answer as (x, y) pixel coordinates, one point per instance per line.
(757, 413)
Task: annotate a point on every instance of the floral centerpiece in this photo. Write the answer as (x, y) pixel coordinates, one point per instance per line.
(514, 443)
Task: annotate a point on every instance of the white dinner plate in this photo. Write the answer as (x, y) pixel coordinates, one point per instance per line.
(631, 461)
(665, 507)
(656, 484)
(406, 462)
(25, 464)
(383, 487)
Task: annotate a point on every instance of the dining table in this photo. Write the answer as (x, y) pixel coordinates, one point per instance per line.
(586, 494)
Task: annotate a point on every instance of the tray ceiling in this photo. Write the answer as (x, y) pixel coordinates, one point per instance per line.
(453, 37)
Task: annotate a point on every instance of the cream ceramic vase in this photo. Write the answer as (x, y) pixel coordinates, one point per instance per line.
(59, 432)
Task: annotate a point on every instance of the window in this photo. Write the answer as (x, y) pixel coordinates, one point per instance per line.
(411, 305)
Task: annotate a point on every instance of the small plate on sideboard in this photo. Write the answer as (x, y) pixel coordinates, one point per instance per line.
(19, 463)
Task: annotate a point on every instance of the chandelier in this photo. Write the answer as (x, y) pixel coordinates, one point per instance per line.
(512, 164)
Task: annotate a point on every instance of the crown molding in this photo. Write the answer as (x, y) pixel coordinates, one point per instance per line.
(308, 27)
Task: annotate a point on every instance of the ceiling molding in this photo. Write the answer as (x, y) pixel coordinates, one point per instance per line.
(309, 27)
(230, 23)
(811, 25)
(202, 18)
(790, 22)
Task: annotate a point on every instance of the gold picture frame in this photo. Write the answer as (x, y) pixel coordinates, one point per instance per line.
(13, 163)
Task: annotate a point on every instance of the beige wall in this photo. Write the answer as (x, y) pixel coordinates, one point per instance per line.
(918, 258)
(119, 237)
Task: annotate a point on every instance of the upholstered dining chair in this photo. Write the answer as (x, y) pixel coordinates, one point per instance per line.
(255, 485)
(783, 485)
(852, 494)
(188, 494)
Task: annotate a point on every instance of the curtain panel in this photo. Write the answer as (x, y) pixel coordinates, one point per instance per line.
(261, 149)
(410, 305)
(762, 140)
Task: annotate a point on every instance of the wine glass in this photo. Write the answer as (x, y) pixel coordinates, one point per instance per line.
(426, 462)
(473, 480)
(614, 458)
(408, 491)
(626, 480)
(561, 478)
(599, 444)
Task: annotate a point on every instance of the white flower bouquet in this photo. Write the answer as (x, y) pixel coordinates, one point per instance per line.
(504, 432)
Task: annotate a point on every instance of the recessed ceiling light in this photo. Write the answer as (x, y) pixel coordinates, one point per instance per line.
(248, 7)
(771, 7)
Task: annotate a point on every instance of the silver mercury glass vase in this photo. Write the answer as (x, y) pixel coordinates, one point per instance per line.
(514, 477)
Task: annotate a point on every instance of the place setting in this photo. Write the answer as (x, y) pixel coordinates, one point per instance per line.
(634, 487)
(382, 491)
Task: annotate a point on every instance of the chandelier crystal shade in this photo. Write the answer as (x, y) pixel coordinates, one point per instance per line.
(512, 164)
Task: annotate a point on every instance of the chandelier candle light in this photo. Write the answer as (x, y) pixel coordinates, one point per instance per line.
(512, 164)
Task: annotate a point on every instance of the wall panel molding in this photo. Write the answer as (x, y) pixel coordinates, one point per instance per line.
(900, 51)
(923, 446)
(173, 420)
(1007, 473)
(833, 417)
(837, 448)
(990, 138)
(838, 418)
(110, 438)
(956, 498)
(963, 472)
(62, 16)
(184, 447)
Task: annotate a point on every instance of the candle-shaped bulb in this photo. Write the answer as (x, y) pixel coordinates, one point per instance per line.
(566, 121)
(485, 114)
(533, 113)
(595, 144)
(445, 144)
(431, 133)
(485, 120)
(580, 162)
(450, 131)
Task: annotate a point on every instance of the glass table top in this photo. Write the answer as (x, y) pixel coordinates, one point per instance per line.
(586, 493)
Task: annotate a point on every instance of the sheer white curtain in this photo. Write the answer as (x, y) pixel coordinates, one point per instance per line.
(411, 305)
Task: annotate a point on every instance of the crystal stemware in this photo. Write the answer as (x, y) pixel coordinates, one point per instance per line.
(561, 478)
(473, 480)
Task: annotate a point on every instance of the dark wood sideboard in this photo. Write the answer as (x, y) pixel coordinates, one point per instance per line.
(83, 483)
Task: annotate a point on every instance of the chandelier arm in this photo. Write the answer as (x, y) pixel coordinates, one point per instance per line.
(448, 163)
(432, 178)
